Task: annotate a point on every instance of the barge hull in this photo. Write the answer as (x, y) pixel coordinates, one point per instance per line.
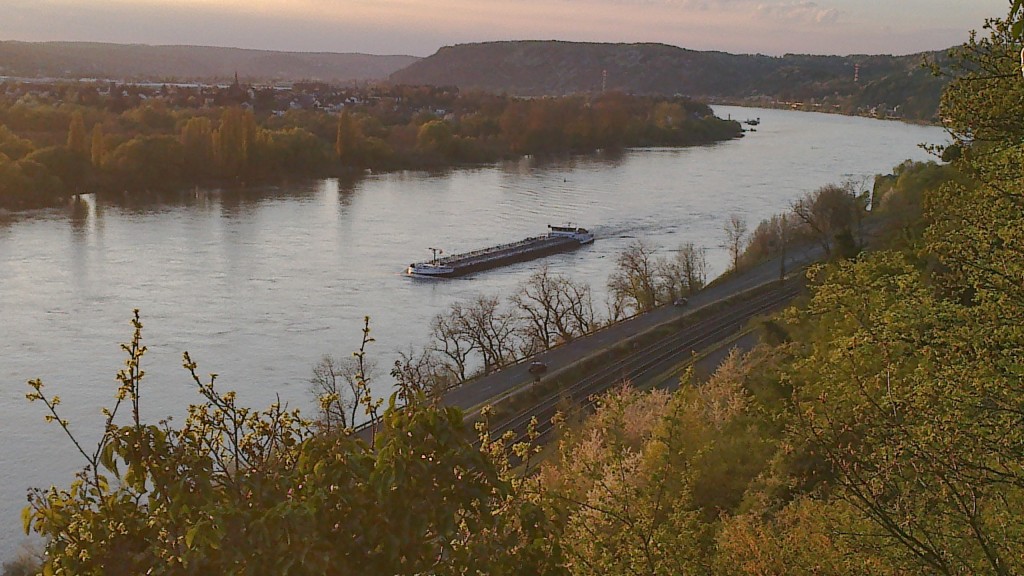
(511, 257)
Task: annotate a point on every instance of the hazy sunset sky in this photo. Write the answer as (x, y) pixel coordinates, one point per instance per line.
(420, 27)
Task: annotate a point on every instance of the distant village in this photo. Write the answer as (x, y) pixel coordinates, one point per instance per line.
(266, 100)
(278, 99)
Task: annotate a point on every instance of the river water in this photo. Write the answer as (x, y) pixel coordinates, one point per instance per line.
(257, 286)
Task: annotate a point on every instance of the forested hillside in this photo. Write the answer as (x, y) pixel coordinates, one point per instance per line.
(123, 62)
(537, 68)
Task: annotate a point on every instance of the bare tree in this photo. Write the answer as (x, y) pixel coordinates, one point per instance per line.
(538, 306)
(480, 327)
(421, 374)
(341, 387)
(492, 330)
(692, 263)
(451, 340)
(682, 275)
(634, 284)
(553, 309)
(336, 385)
(735, 238)
(615, 307)
(581, 317)
(668, 280)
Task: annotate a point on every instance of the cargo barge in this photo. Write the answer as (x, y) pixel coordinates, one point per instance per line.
(558, 239)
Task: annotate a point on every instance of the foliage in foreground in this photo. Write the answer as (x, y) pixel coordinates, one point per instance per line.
(255, 492)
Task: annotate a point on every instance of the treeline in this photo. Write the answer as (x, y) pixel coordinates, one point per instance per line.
(50, 151)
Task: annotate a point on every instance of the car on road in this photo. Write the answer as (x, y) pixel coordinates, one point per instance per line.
(538, 368)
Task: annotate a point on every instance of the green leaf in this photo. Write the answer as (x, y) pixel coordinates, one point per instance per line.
(26, 518)
(190, 536)
(107, 459)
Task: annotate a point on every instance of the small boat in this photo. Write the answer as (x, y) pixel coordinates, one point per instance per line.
(754, 122)
(558, 239)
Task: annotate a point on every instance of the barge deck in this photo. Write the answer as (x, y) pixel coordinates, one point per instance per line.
(558, 239)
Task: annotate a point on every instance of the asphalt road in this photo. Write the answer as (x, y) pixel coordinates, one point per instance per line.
(486, 389)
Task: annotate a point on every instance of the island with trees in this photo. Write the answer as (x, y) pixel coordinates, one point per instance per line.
(134, 141)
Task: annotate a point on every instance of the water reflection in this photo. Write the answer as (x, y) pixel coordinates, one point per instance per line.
(84, 217)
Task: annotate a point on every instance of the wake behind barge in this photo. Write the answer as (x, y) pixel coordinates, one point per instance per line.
(558, 239)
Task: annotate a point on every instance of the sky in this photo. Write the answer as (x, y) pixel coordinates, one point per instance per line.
(420, 27)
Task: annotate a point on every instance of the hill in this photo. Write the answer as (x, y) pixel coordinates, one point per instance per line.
(539, 68)
(144, 62)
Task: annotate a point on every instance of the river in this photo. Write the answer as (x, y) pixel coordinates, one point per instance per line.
(257, 286)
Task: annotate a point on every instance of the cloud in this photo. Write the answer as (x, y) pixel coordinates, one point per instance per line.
(799, 11)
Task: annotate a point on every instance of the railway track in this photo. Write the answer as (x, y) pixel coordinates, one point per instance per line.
(654, 358)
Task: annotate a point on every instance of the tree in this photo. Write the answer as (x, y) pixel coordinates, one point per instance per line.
(28, 184)
(693, 266)
(340, 387)
(435, 137)
(236, 142)
(77, 140)
(421, 374)
(911, 397)
(976, 229)
(682, 275)
(348, 140)
(828, 212)
(148, 163)
(98, 149)
(73, 169)
(197, 142)
(297, 151)
(492, 331)
(452, 342)
(735, 238)
(635, 280)
(625, 504)
(13, 146)
(150, 117)
(806, 538)
(480, 327)
(554, 309)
